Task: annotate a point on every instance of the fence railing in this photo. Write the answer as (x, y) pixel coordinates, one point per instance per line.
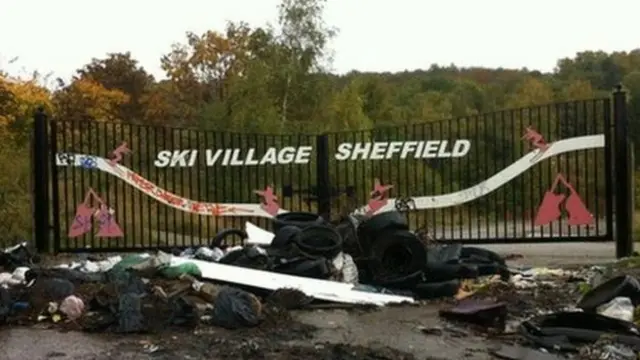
(475, 179)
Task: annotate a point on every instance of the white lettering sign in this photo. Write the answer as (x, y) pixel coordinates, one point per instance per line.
(235, 157)
(302, 154)
(403, 149)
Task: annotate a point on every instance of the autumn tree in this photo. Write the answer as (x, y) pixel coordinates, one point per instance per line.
(19, 99)
(165, 104)
(87, 100)
(206, 61)
(120, 71)
(202, 69)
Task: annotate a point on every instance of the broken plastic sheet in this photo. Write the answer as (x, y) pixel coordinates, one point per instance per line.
(319, 289)
(257, 235)
(15, 247)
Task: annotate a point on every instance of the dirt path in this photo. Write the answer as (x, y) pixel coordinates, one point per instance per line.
(558, 254)
(396, 328)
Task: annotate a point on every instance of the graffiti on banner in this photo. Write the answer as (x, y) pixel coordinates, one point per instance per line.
(71, 159)
(475, 192)
(89, 162)
(65, 159)
(172, 199)
(405, 204)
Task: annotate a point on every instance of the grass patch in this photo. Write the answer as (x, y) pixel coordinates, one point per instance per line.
(636, 226)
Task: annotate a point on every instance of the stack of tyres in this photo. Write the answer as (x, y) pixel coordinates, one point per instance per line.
(304, 245)
(370, 229)
(288, 226)
(395, 256)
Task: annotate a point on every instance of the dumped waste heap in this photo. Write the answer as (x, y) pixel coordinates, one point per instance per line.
(305, 262)
(375, 261)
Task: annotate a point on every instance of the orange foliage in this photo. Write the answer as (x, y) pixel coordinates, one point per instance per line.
(20, 98)
(164, 104)
(85, 99)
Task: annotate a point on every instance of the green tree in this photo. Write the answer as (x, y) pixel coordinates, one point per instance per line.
(304, 37)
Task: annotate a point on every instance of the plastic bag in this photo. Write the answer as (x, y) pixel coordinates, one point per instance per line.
(235, 308)
(174, 272)
(72, 306)
(20, 273)
(130, 318)
(338, 262)
(349, 270)
(6, 279)
(346, 268)
(207, 254)
(619, 308)
(129, 261)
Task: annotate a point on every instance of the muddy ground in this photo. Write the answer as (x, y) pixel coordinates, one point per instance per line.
(394, 333)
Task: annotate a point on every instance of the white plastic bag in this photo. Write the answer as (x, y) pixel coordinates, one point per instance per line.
(346, 269)
(618, 308)
(338, 262)
(349, 270)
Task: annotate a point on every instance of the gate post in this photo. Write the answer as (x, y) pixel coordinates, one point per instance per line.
(623, 203)
(40, 173)
(322, 176)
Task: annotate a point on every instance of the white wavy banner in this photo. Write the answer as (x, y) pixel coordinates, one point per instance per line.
(164, 196)
(504, 176)
(421, 202)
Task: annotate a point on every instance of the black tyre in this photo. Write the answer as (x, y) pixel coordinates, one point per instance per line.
(397, 252)
(437, 290)
(403, 282)
(383, 221)
(619, 286)
(285, 236)
(320, 240)
(221, 238)
(297, 219)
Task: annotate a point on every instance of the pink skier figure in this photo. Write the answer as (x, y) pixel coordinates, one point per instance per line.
(269, 201)
(116, 155)
(535, 138)
(379, 197)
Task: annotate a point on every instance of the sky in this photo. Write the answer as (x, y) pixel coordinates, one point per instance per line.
(57, 37)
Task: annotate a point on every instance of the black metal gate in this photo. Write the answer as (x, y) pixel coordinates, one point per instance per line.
(538, 174)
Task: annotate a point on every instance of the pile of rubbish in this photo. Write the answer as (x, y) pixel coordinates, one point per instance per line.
(377, 254)
(368, 261)
(304, 262)
(602, 324)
